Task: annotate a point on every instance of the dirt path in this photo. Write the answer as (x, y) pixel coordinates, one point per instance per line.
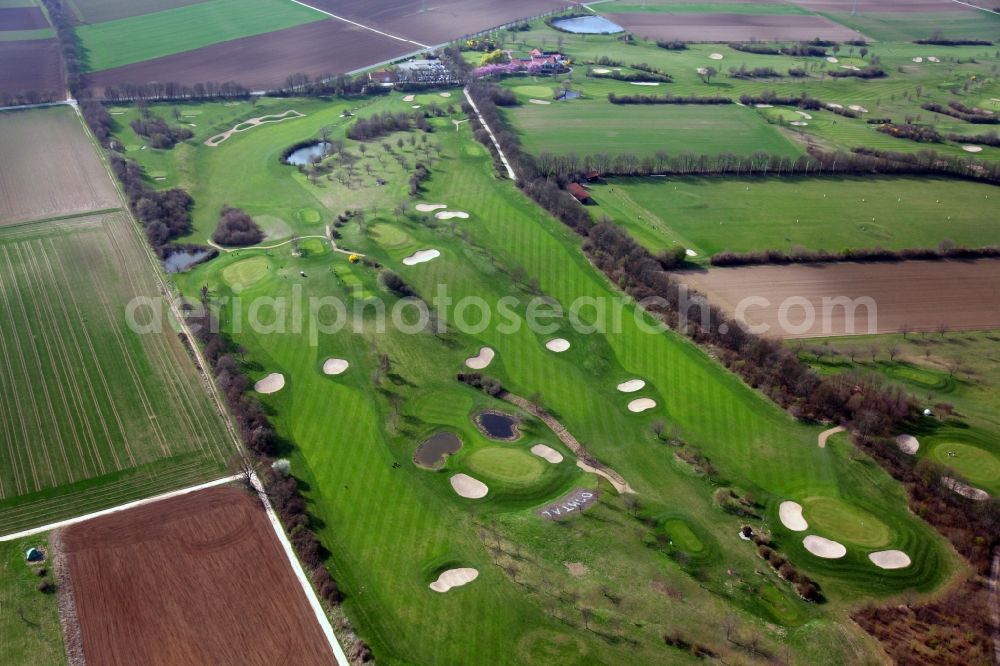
(826, 434)
(333, 245)
(496, 144)
(585, 460)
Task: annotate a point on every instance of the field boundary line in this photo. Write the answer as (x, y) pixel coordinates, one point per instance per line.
(982, 9)
(496, 144)
(361, 25)
(317, 607)
(115, 509)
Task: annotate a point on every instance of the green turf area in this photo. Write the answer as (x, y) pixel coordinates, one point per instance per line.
(134, 39)
(842, 522)
(89, 402)
(18, 35)
(975, 464)
(896, 26)
(348, 431)
(711, 215)
(506, 464)
(703, 8)
(29, 619)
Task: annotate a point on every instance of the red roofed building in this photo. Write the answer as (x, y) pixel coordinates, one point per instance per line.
(582, 195)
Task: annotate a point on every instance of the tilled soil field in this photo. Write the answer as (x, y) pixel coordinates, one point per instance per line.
(923, 295)
(885, 6)
(30, 64)
(195, 579)
(723, 27)
(22, 18)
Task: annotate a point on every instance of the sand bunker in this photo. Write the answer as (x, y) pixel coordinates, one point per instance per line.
(799, 123)
(908, 444)
(820, 547)
(835, 106)
(547, 453)
(764, 106)
(804, 115)
(853, 68)
(250, 124)
(539, 101)
(334, 366)
(427, 208)
(631, 386)
(918, 59)
(408, 98)
(790, 514)
(601, 70)
(448, 214)
(641, 405)
(467, 487)
(859, 109)
(420, 256)
(644, 83)
(964, 489)
(890, 559)
(445, 94)
(832, 59)
(933, 59)
(481, 360)
(415, 106)
(972, 149)
(703, 71)
(557, 345)
(715, 56)
(273, 383)
(691, 253)
(454, 578)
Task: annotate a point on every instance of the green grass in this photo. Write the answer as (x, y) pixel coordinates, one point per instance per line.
(975, 464)
(29, 619)
(895, 26)
(388, 528)
(704, 8)
(506, 464)
(18, 35)
(845, 523)
(682, 535)
(711, 215)
(134, 39)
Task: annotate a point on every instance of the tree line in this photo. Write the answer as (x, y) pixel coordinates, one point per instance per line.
(387, 122)
(236, 228)
(667, 99)
(860, 255)
(969, 114)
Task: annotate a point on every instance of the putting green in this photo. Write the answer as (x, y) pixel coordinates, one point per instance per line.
(506, 464)
(309, 215)
(842, 522)
(541, 92)
(682, 536)
(391, 237)
(972, 462)
(245, 272)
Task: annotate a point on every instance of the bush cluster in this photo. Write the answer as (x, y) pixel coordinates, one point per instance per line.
(236, 229)
(160, 134)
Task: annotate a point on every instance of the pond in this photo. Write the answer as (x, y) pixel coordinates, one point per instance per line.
(497, 425)
(307, 154)
(588, 25)
(181, 261)
(434, 450)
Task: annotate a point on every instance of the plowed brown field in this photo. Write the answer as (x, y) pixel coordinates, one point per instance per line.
(721, 27)
(963, 295)
(195, 579)
(22, 18)
(31, 64)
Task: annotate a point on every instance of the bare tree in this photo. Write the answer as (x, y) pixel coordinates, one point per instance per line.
(585, 613)
(893, 352)
(905, 329)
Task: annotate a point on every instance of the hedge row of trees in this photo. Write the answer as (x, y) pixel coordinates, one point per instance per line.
(62, 20)
(164, 214)
(800, 49)
(742, 72)
(639, 77)
(869, 72)
(159, 133)
(962, 112)
(672, 44)
(170, 90)
(986, 138)
(913, 132)
(667, 99)
(387, 122)
(863, 255)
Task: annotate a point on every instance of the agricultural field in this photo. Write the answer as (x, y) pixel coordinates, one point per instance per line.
(357, 458)
(99, 11)
(31, 64)
(801, 300)
(148, 36)
(712, 215)
(903, 20)
(955, 373)
(723, 27)
(50, 167)
(224, 587)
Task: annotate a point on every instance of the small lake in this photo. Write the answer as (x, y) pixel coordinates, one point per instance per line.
(497, 425)
(588, 25)
(181, 261)
(433, 451)
(307, 154)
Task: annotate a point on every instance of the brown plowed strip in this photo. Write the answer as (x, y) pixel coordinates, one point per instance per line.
(963, 295)
(22, 18)
(728, 27)
(885, 6)
(196, 579)
(30, 64)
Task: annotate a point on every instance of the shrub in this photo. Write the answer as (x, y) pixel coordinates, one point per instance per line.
(236, 229)
(160, 134)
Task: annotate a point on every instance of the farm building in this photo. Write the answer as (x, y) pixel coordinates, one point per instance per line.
(582, 195)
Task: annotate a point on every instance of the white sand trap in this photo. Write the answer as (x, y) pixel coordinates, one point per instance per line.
(764, 106)
(703, 71)
(835, 106)
(448, 214)
(641, 405)
(644, 83)
(790, 514)
(631, 386)
(250, 123)
(273, 383)
(715, 56)
(548, 453)
(467, 487)
(918, 59)
(890, 559)
(415, 106)
(972, 149)
(334, 366)
(804, 115)
(832, 59)
(427, 208)
(691, 253)
(853, 68)
(482, 359)
(799, 123)
(858, 108)
(933, 59)
(454, 578)
(539, 101)
(820, 547)
(420, 256)
(908, 444)
(601, 70)
(408, 98)
(965, 490)
(557, 345)
(445, 94)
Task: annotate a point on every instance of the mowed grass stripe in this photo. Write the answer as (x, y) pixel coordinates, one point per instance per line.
(134, 39)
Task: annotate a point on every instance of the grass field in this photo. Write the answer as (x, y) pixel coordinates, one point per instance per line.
(29, 619)
(348, 431)
(147, 36)
(711, 215)
(896, 26)
(703, 8)
(98, 11)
